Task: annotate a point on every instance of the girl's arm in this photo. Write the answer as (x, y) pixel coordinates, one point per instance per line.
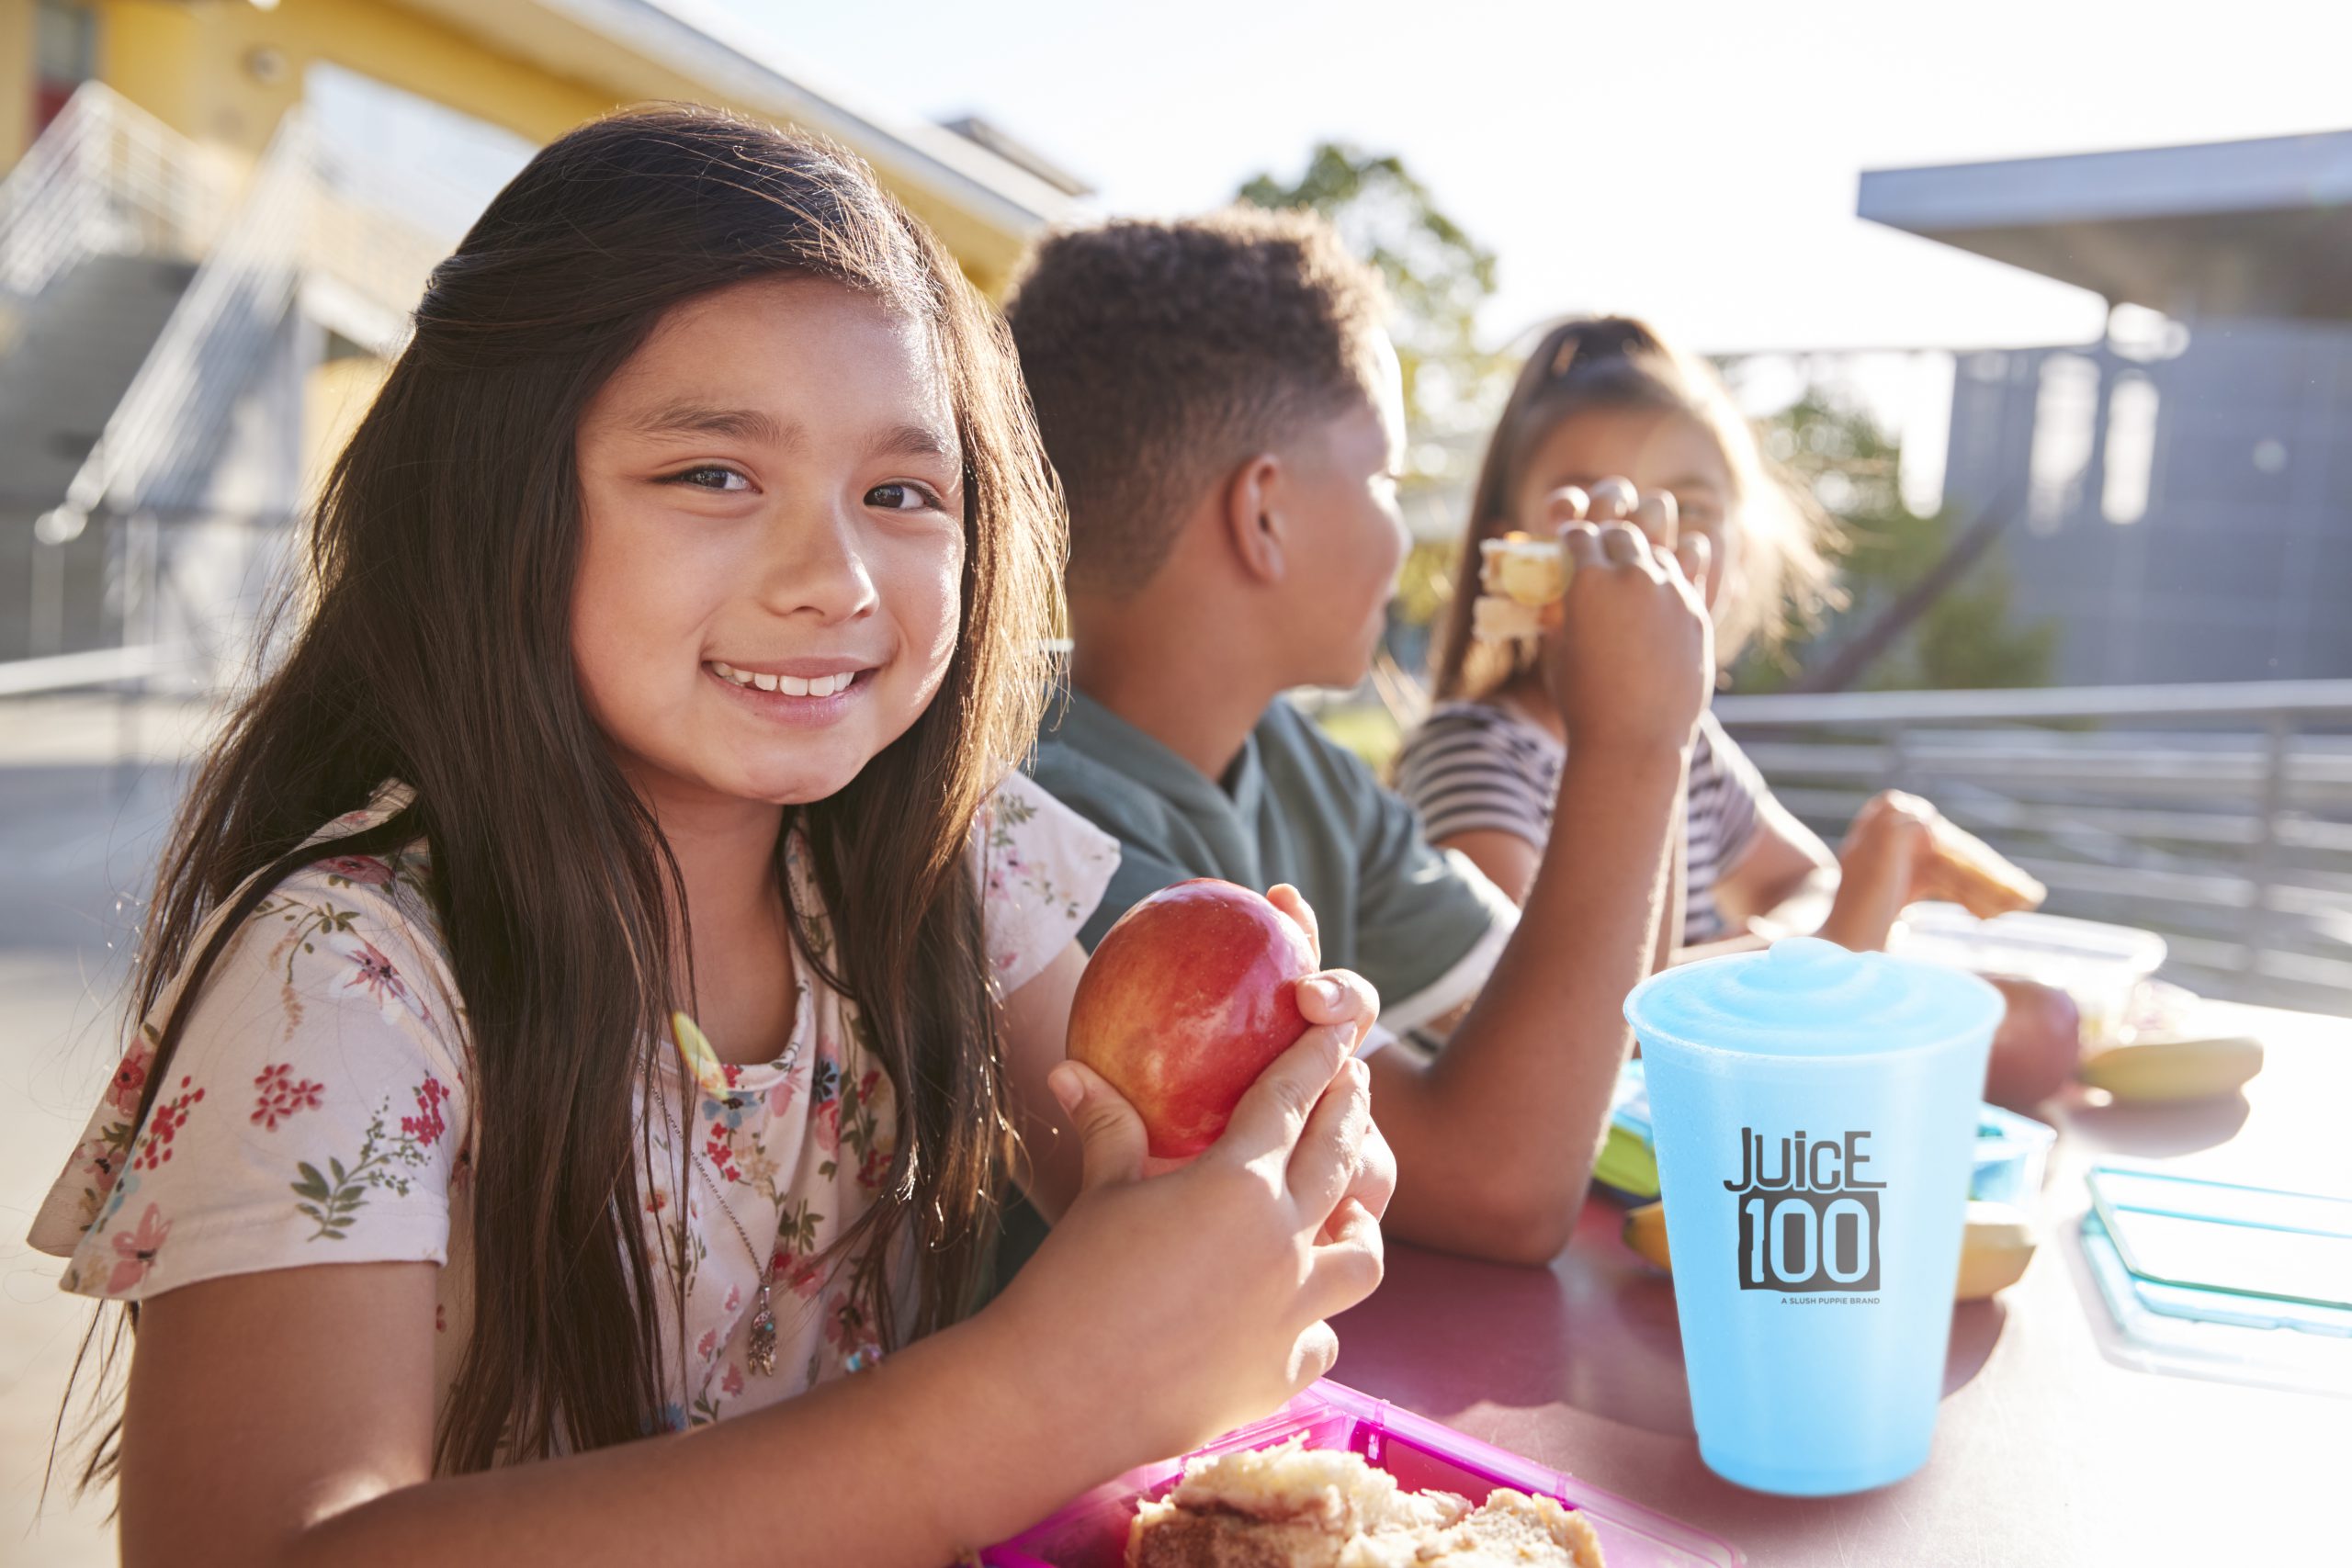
(1036, 1027)
(1789, 880)
(1785, 863)
(1509, 862)
(286, 1417)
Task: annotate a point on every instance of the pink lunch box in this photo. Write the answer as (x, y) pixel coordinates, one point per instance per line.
(1091, 1533)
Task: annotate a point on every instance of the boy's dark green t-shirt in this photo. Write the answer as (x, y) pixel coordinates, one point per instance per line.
(1423, 925)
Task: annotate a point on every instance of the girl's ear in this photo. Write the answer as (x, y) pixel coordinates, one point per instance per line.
(1253, 519)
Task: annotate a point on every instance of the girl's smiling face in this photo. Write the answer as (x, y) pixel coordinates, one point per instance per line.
(772, 545)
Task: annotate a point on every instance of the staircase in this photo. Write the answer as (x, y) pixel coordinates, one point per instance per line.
(154, 337)
(101, 223)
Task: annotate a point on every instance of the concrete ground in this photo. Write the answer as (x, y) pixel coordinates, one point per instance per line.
(86, 785)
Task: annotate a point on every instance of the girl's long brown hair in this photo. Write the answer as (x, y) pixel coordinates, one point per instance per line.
(435, 646)
(1618, 362)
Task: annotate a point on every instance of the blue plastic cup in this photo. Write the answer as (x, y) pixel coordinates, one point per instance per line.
(1815, 1111)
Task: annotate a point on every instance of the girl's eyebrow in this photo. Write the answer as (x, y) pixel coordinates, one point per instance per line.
(702, 419)
(915, 441)
(763, 429)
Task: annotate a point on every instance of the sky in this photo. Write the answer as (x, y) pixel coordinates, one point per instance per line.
(1693, 162)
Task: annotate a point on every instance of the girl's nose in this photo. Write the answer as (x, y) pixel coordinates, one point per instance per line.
(816, 565)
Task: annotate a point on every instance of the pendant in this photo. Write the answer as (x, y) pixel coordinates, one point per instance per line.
(761, 1350)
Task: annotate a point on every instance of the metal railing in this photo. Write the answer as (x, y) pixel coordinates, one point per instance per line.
(170, 417)
(308, 226)
(295, 225)
(105, 177)
(2219, 815)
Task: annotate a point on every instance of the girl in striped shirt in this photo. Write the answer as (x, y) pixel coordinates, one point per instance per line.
(1605, 405)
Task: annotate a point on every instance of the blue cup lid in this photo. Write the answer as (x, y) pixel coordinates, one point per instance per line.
(1804, 997)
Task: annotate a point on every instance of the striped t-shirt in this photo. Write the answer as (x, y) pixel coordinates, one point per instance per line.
(1473, 766)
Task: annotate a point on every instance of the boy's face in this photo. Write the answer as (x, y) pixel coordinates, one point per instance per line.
(771, 543)
(1341, 503)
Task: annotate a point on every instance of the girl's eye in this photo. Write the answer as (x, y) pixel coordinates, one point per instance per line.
(710, 477)
(904, 495)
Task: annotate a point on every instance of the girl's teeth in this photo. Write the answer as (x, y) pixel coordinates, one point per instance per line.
(790, 685)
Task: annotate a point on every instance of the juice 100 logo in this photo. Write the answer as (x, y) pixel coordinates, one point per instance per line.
(1808, 1214)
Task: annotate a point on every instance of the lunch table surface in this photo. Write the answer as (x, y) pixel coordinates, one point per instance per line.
(2046, 1451)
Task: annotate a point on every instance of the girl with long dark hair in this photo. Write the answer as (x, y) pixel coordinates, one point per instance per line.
(606, 973)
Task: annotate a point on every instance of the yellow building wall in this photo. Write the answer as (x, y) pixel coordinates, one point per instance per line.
(15, 79)
(335, 396)
(221, 71)
(224, 71)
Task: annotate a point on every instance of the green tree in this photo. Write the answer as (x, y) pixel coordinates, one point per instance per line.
(1438, 277)
(1965, 638)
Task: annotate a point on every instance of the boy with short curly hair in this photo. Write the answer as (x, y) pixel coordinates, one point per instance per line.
(1226, 413)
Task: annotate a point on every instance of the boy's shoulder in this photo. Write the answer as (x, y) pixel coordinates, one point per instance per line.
(1307, 769)
(1074, 766)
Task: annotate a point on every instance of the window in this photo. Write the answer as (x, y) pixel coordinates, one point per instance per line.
(2130, 448)
(2065, 410)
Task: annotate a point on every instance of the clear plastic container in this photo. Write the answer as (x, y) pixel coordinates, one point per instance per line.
(2012, 1153)
(2098, 965)
(1093, 1531)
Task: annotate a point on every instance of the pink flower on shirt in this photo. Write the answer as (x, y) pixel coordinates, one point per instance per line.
(804, 1276)
(426, 1126)
(163, 1124)
(377, 975)
(365, 870)
(130, 1078)
(280, 1096)
(135, 1254)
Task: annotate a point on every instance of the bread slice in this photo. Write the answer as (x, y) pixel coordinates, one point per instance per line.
(1971, 874)
(1291, 1506)
(1494, 619)
(1509, 1528)
(1523, 569)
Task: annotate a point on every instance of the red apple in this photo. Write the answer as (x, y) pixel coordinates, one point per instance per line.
(1185, 1002)
(2037, 1046)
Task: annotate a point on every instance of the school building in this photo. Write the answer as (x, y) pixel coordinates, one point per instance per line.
(215, 216)
(2183, 488)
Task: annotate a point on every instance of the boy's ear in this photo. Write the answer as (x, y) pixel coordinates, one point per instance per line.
(1253, 521)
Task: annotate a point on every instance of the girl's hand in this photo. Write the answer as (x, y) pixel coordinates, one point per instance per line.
(1886, 862)
(1175, 1308)
(1633, 659)
(1340, 997)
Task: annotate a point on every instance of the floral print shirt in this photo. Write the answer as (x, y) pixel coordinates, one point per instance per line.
(317, 1111)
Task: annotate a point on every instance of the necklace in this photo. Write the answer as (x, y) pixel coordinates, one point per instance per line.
(760, 1351)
